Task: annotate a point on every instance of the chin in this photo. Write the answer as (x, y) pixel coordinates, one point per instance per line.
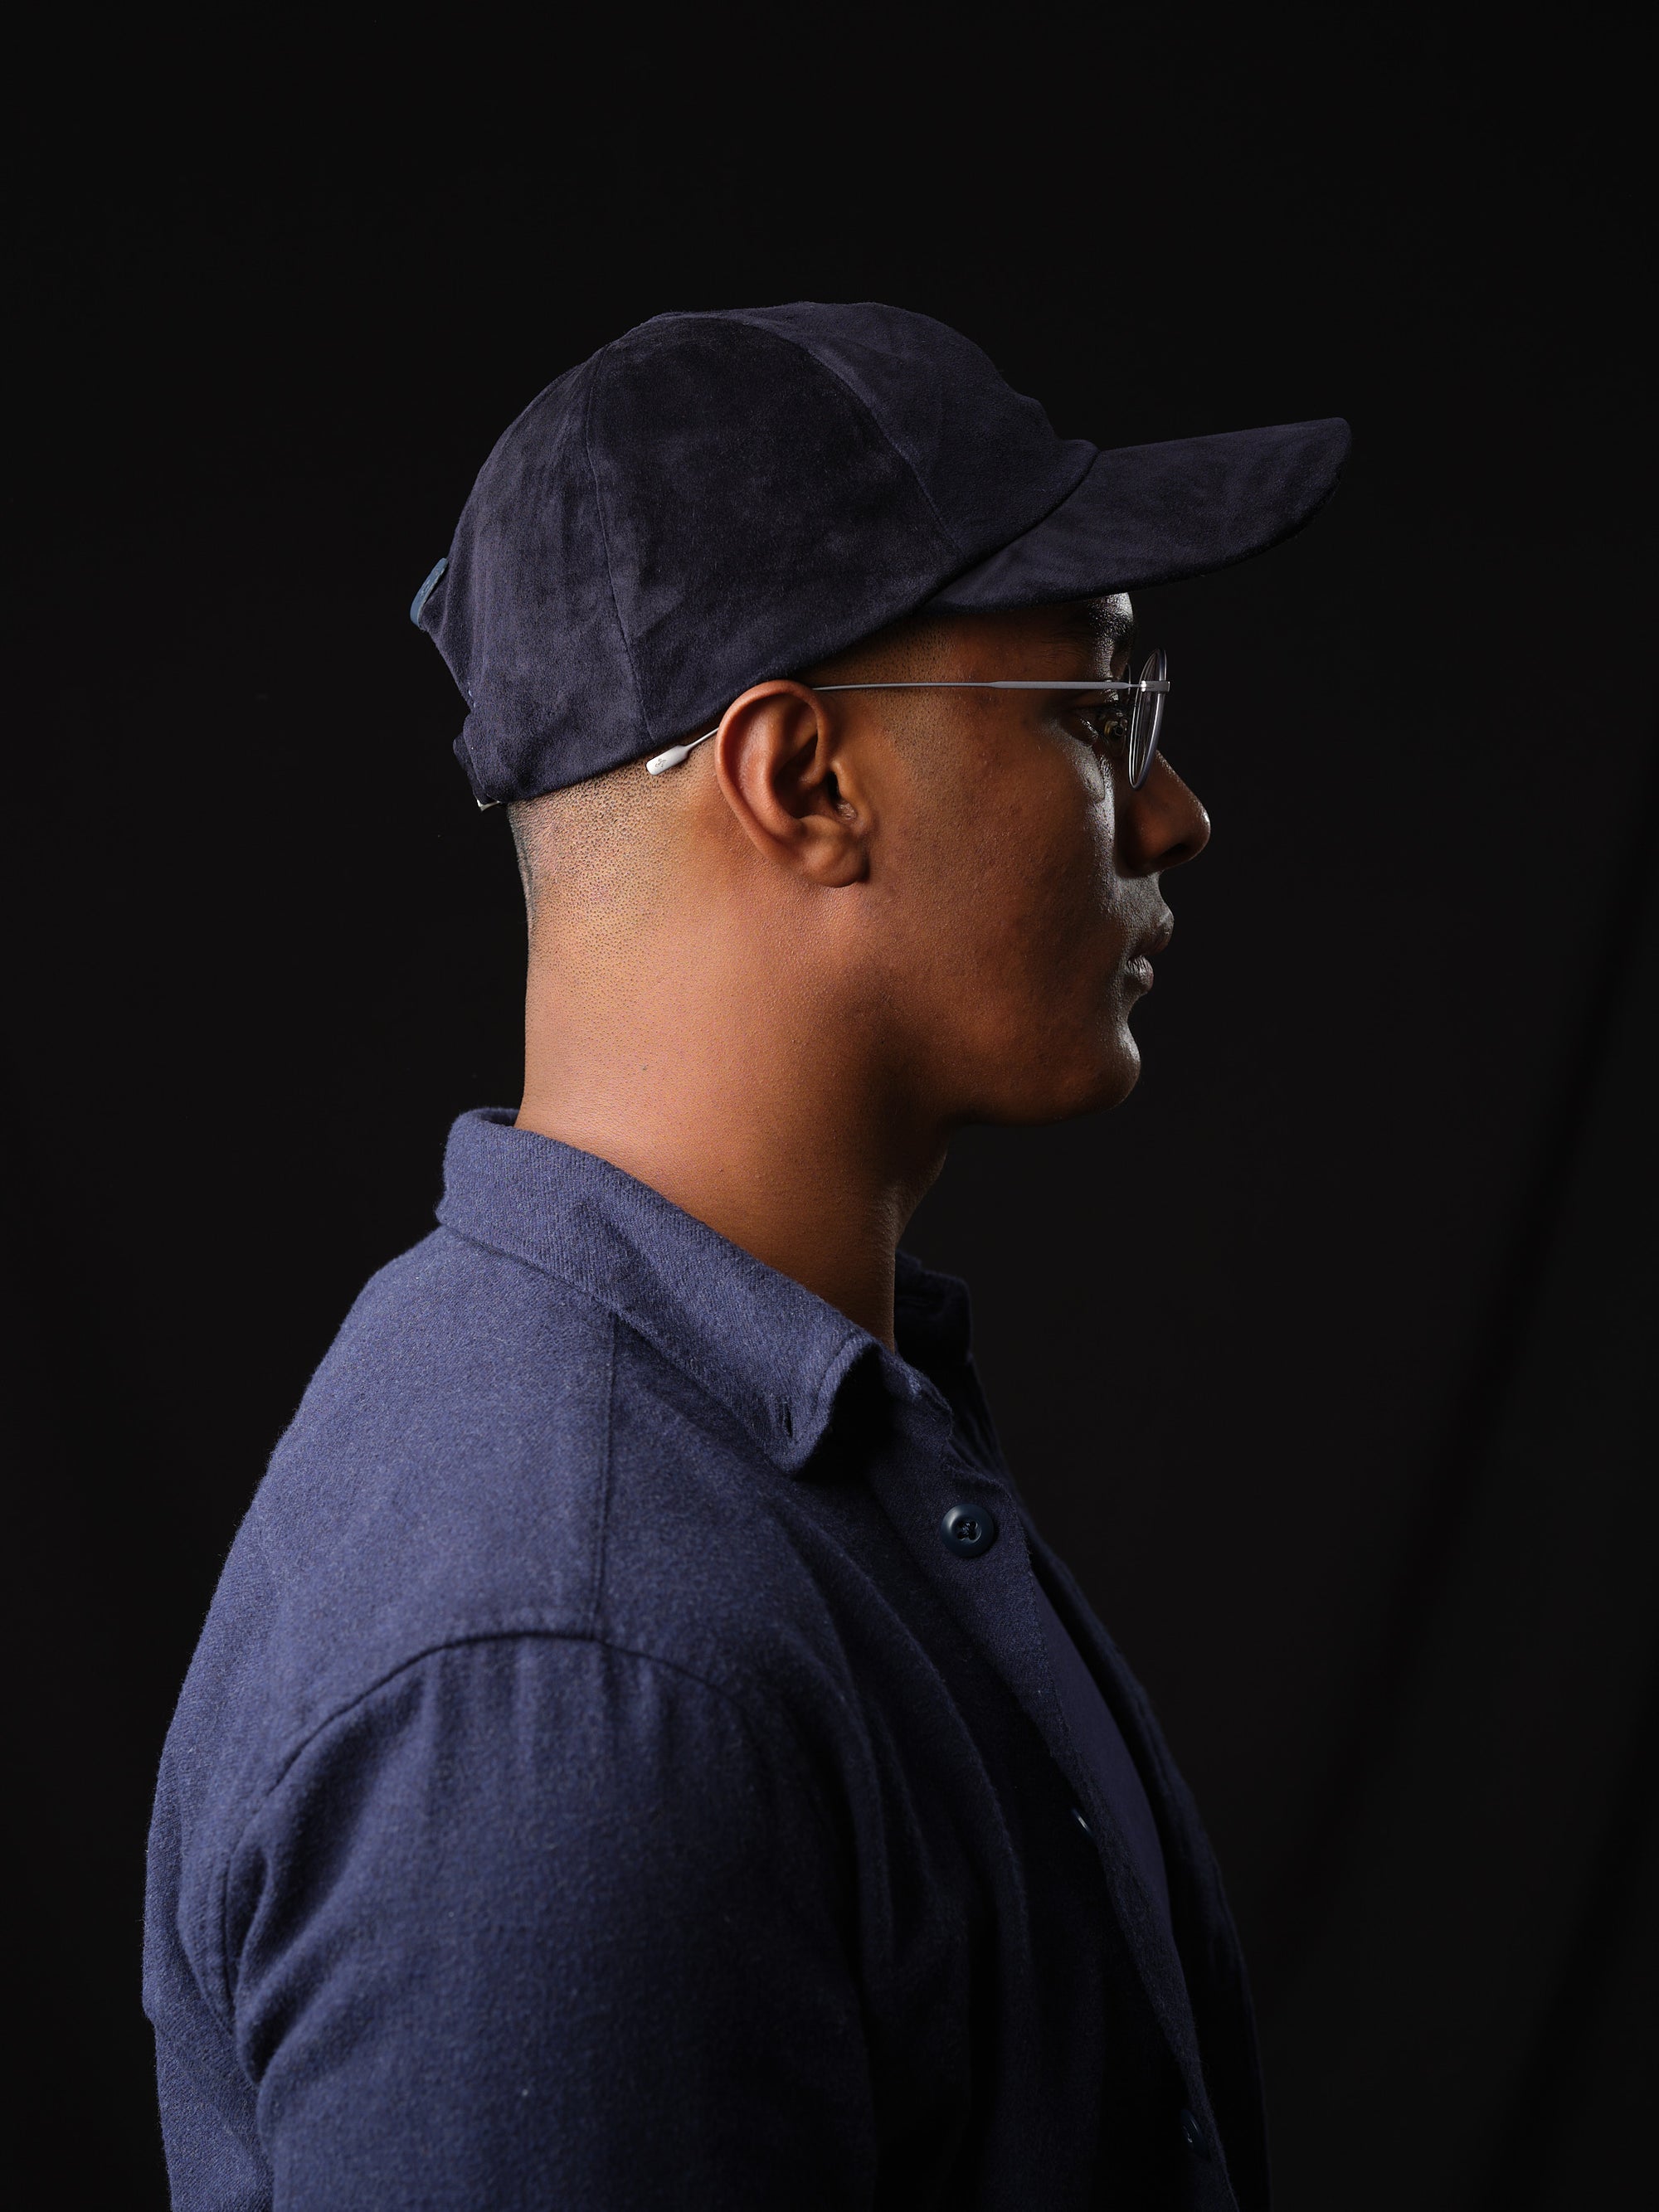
(1114, 1084)
(1093, 1083)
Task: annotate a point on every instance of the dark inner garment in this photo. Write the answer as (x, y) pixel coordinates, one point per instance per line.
(1100, 1741)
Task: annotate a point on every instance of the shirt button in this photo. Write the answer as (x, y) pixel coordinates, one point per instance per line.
(1193, 2136)
(1077, 1814)
(968, 1530)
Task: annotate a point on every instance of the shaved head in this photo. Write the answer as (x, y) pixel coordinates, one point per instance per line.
(595, 848)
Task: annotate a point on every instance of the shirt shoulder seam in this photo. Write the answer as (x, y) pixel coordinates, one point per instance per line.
(226, 2004)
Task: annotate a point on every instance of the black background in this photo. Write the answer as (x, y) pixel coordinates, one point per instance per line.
(1326, 1359)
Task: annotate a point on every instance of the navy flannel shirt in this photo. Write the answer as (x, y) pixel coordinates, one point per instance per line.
(600, 1784)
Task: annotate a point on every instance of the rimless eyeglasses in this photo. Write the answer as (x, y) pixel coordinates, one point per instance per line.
(1136, 701)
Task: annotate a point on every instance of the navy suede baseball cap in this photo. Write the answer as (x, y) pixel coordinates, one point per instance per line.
(718, 498)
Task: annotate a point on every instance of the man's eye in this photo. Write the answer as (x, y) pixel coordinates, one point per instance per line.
(1107, 726)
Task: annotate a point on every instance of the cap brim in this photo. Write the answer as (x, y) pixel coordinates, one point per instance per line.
(1154, 514)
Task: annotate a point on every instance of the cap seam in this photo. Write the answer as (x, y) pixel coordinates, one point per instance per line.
(764, 329)
(605, 543)
(984, 560)
(968, 563)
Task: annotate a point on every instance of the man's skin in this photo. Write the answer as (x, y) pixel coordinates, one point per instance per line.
(771, 982)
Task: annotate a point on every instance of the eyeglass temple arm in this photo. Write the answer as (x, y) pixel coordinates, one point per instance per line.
(661, 762)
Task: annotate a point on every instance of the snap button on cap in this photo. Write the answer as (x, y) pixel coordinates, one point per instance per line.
(968, 1530)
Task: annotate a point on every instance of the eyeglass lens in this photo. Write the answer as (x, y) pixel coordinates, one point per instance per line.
(1146, 720)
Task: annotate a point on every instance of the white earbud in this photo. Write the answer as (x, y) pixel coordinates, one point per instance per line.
(659, 763)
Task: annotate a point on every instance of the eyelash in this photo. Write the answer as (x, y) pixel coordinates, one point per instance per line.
(1107, 727)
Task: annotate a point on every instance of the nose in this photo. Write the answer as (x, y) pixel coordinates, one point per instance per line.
(1160, 825)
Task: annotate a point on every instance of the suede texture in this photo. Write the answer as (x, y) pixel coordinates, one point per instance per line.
(717, 498)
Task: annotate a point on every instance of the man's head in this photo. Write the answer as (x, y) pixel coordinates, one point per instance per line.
(770, 981)
(953, 892)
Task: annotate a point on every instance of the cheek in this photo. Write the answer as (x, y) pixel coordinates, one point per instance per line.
(1028, 898)
(1075, 898)
(1053, 889)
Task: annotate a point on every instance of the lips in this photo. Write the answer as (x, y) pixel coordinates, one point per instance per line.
(1138, 965)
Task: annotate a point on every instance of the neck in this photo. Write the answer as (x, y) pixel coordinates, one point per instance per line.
(752, 1106)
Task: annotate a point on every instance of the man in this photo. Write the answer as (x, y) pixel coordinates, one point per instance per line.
(640, 1753)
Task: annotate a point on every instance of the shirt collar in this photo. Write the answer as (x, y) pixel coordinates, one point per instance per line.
(768, 1349)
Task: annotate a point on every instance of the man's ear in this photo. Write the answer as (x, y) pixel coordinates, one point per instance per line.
(792, 787)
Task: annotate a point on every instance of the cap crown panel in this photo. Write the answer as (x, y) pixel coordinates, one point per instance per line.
(524, 615)
(737, 474)
(986, 454)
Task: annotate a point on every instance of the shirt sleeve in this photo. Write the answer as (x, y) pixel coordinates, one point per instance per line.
(539, 1922)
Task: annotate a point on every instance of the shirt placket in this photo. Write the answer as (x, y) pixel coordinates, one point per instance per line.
(964, 1527)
